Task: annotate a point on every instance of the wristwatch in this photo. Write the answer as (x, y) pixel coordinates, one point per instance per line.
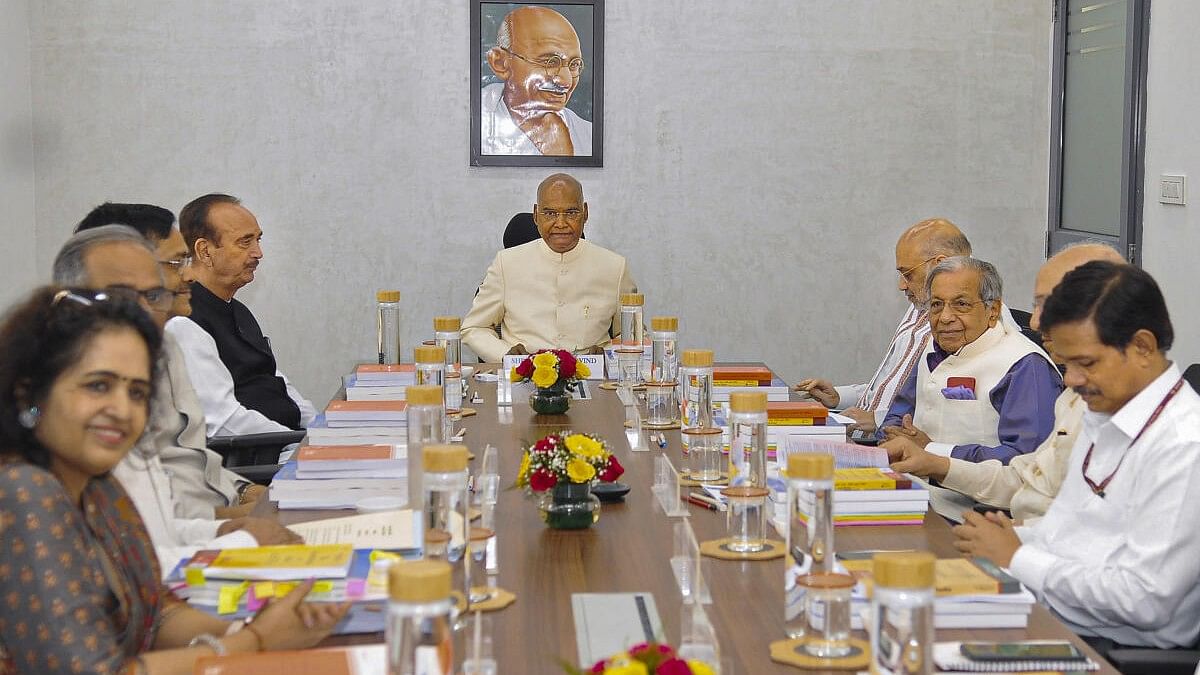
(241, 492)
(209, 640)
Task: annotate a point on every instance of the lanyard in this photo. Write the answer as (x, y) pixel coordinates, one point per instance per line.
(1098, 489)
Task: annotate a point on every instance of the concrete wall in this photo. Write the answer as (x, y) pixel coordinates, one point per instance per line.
(761, 157)
(1171, 233)
(17, 256)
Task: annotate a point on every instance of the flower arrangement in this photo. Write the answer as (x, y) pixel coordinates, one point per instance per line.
(648, 658)
(567, 457)
(550, 368)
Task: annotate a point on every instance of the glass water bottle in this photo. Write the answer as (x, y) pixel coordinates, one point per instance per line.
(447, 333)
(632, 328)
(387, 326)
(748, 438)
(901, 627)
(426, 425)
(664, 361)
(420, 633)
(695, 389)
(810, 531)
(446, 521)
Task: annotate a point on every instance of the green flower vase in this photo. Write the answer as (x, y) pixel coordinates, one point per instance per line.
(570, 506)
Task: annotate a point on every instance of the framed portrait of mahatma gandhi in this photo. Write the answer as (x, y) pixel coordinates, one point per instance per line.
(537, 81)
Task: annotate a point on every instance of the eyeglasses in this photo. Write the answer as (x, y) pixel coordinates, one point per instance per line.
(177, 264)
(77, 298)
(908, 272)
(552, 63)
(159, 298)
(959, 307)
(569, 214)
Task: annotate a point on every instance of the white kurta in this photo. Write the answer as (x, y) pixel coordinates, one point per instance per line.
(1029, 483)
(542, 299)
(1126, 566)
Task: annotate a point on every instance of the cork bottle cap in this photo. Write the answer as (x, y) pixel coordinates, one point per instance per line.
(444, 458)
(423, 394)
(447, 323)
(481, 534)
(904, 570)
(666, 323)
(746, 492)
(387, 296)
(810, 465)
(633, 299)
(419, 581)
(748, 401)
(826, 580)
(697, 358)
(702, 431)
(428, 354)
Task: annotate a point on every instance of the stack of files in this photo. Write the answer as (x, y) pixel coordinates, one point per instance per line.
(874, 496)
(804, 419)
(373, 413)
(728, 379)
(380, 382)
(294, 492)
(970, 593)
(321, 433)
(351, 461)
(246, 578)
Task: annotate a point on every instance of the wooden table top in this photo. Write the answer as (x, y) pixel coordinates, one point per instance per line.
(629, 550)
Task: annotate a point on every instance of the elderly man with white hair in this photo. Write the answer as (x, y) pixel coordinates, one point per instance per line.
(981, 389)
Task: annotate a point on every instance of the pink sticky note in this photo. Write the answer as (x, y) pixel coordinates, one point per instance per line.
(355, 588)
(253, 602)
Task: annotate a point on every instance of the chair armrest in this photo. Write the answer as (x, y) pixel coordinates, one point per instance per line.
(1155, 661)
(257, 473)
(223, 444)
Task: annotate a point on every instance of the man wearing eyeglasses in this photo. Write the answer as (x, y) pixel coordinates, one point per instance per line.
(558, 291)
(919, 248)
(538, 57)
(1116, 556)
(981, 389)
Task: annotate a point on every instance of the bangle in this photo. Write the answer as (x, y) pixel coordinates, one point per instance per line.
(210, 641)
(258, 637)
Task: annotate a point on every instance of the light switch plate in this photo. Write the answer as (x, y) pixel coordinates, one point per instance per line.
(1172, 189)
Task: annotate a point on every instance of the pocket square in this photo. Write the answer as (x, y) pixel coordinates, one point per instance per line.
(959, 393)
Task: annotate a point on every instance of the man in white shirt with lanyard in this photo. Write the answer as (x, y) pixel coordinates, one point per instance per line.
(1116, 557)
(918, 250)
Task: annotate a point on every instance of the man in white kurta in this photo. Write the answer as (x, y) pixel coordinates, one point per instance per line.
(559, 291)
(1116, 556)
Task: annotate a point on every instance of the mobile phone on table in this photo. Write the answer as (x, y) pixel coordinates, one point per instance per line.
(1021, 651)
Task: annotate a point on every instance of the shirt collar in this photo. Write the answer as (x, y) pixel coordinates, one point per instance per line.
(1132, 416)
(570, 256)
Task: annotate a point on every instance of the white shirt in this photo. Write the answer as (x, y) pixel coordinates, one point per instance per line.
(500, 135)
(149, 487)
(224, 415)
(1126, 566)
(912, 334)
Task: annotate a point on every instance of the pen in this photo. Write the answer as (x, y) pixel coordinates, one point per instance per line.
(701, 502)
(662, 440)
(716, 505)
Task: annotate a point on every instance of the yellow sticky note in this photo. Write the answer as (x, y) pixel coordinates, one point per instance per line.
(227, 599)
(264, 589)
(323, 587)
(283, 588)
(194, 576)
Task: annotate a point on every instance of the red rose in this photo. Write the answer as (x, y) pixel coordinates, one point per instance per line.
(598, 669)
(566, 363)
(612, 470)
(540, 481)
(544, 445)
(525, 368)
(673, 666)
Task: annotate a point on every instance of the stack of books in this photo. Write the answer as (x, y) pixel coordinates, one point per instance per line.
(339, 476)
(728, 379)
(875, 496)
(380, 382)
(367, 422)
(801, 419)
(970, 593)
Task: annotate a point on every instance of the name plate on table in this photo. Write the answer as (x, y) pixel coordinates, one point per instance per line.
(607, 624)
(595, 364)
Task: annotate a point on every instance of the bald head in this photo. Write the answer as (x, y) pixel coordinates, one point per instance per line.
(527, 26)
(1054, 269)
(560, 212)
(922, 246)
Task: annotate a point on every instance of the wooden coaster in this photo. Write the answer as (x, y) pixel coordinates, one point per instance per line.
(719, 549)
(655, 427)
(463, 412)
(499, 599)
(792, 653)
(611, 385)
(688, 482)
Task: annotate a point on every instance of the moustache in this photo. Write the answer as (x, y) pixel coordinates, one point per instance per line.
(1086, 391)
(553, 88)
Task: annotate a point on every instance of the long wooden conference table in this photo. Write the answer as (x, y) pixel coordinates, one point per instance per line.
(629, 550)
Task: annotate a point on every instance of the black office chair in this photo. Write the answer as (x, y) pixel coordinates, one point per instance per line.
(1192, 375)
(1022, 318)
(254, 457)
(1154, 661)
(521, 230)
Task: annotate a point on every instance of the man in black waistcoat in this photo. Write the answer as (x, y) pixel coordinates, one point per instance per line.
(229, 359)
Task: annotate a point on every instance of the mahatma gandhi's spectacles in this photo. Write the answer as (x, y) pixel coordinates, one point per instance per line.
(552, 63)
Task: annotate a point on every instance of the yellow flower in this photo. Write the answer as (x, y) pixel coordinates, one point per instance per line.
(513, 376)
(628, 668)
(584, 446)
(523, 473)
(580, 471)
(582, 371)
(700, 667)
(544, 377)
(545, 360)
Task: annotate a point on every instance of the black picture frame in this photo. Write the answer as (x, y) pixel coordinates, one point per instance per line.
(586, 101)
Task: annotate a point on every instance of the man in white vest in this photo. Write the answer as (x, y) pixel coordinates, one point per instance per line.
(981, 389)
(557, 292)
